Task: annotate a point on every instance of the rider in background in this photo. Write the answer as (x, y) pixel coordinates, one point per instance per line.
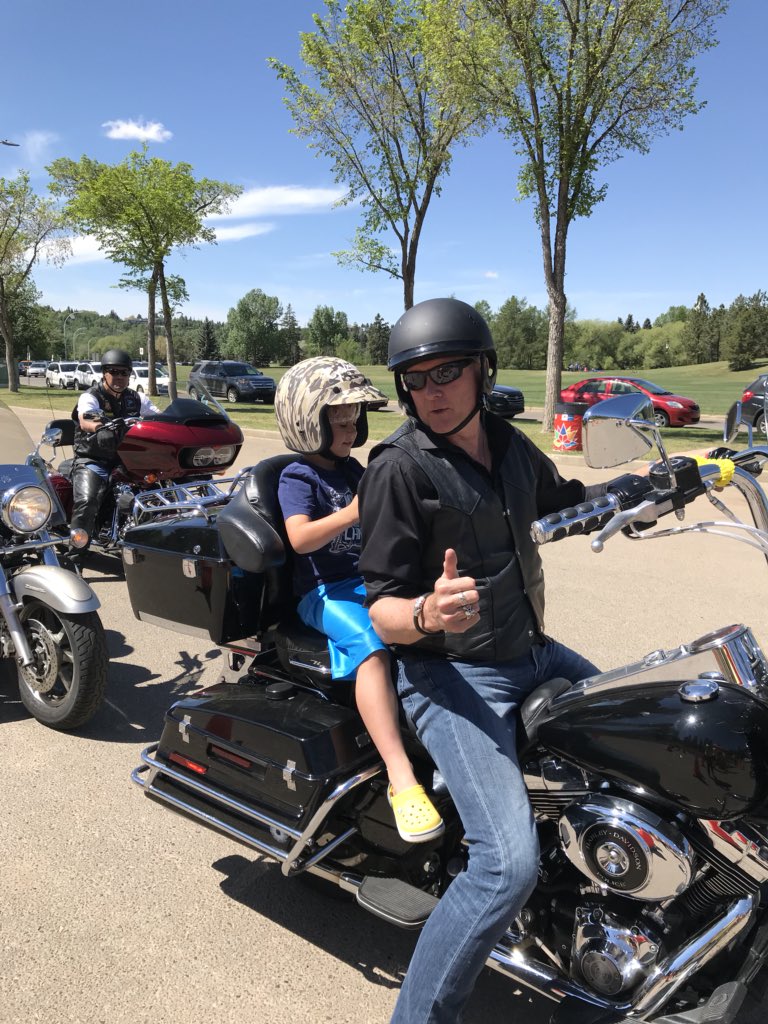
(321, 414)
(99, 416)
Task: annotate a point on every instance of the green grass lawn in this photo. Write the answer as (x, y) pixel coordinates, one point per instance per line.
(712, 385)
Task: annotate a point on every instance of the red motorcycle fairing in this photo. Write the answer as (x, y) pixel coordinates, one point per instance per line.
(166, 447)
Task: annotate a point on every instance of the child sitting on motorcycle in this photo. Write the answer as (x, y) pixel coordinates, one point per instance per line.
(321, 414)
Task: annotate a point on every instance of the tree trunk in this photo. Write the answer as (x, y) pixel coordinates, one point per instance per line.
(151, 300)
(6, 330)
(167, 316)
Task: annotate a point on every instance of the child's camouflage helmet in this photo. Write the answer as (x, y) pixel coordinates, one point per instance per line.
(305, 391)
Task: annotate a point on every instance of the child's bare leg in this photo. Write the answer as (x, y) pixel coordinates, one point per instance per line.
(377, 703)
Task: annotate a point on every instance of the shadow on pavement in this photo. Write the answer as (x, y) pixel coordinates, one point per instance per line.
(318, 912)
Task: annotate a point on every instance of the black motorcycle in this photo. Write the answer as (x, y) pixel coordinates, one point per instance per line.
(649, 783)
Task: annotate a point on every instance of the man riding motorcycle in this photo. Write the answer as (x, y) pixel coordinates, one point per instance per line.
(100, 417)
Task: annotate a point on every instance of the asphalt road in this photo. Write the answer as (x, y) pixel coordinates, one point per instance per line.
(115, 911)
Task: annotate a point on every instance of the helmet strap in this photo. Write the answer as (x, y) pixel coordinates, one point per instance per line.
(454, 430)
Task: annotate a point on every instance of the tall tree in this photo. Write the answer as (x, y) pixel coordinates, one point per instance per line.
(696, 334)
(207, 343)
(576, 84)
(384, 115)
(378, 340)
(30, 228)
(139, 211)
(252, 332)
(290, 338)
(326, 330)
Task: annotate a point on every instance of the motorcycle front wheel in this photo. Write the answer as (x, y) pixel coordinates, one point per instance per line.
(65, 686)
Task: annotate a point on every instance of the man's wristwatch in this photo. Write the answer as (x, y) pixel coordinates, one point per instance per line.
(418, 611)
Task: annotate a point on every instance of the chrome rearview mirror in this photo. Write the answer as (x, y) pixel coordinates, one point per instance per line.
(615, 431)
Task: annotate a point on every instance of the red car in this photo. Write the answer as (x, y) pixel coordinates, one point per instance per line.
(669, 410)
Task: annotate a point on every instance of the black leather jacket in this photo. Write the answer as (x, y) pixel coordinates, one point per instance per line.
(101, 446)
(486, 518)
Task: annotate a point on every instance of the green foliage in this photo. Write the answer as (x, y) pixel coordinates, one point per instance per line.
(746, 331)
(377, 340)
(326, 330)
(520, 334)
(252, 331)
(207, 342)
(139, 211)
(289, 342)
(673, 314)
(30, 228)
(350, 350)
(377, 101)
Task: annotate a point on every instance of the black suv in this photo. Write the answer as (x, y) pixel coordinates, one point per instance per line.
(753, 407)
(227, 378)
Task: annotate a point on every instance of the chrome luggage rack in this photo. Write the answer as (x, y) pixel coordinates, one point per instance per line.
(195, 496)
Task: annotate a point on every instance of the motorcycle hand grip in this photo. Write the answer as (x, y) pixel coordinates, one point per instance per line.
(585, 517)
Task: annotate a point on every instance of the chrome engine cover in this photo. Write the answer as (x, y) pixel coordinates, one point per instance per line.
(611, 957)
(626, 849)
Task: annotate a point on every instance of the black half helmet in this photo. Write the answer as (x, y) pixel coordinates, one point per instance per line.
(116, 357)
(440, 327)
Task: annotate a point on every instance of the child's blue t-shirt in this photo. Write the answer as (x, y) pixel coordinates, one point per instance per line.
(308, 490)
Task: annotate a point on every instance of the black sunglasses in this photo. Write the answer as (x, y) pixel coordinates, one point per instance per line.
(116, 373)
(445, 373)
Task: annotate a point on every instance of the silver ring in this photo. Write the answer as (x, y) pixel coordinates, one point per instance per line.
(469, 611)
(462, 599)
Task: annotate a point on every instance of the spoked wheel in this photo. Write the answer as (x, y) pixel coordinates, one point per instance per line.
(660, 418)
(65, 685)
(761, 428)
(232, 395)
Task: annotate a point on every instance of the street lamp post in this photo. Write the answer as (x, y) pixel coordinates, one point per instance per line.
(68, 317)
(74, 339)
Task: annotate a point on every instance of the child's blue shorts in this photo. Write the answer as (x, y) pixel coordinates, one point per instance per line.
(337, 610)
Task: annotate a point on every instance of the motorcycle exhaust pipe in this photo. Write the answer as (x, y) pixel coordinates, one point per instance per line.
(668, 976)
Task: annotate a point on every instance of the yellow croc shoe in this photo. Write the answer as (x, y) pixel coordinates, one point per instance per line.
(416, 817)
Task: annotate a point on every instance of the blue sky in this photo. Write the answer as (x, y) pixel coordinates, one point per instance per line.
(90, 76)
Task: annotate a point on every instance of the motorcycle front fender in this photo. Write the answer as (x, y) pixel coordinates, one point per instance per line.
(59, 588)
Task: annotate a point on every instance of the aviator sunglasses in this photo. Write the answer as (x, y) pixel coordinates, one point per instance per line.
(117, 373)
(445, 373)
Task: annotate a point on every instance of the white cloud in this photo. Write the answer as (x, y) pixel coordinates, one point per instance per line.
(491, 274)
(277, 200)
(238, 231)
(85, 250)
(144, 131)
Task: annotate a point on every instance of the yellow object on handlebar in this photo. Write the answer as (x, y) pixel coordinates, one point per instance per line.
(726, 467)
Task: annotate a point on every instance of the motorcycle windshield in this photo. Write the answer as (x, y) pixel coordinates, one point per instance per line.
(206, 398)
(15, 442)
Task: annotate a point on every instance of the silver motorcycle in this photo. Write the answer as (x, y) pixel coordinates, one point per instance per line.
(49, 623)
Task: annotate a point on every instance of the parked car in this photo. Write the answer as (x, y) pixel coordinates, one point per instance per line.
(235, 381)
(61, 375)
(669, 410)
(753, 407)
(36, 368)
(139, 379)
(506, 401)
(87, 374)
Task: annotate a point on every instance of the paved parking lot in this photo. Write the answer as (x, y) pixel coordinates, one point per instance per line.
(115, 911)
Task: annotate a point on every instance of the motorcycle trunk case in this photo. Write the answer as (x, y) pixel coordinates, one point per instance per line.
(283, 755)
(180, 577)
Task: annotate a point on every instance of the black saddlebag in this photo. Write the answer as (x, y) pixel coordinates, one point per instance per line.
(179, 577)
(276, 747)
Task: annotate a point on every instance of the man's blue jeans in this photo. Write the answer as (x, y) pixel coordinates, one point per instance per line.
(465, 714)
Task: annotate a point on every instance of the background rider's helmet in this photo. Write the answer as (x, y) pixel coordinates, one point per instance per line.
(440, 327)
(116, 357)
(307, 389)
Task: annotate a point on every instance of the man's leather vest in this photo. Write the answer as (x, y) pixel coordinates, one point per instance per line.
(101, 446)
(488, 524)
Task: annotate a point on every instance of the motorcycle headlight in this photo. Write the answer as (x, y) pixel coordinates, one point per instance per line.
(203, 457)
(223, 455)
(26, 509)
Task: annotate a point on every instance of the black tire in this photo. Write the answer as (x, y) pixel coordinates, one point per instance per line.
(760, 427)
(660, 418)
(233, 395)
(139, 389)
(269, 399)
(76, 691)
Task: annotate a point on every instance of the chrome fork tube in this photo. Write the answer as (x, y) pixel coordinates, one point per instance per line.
(13, 623)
